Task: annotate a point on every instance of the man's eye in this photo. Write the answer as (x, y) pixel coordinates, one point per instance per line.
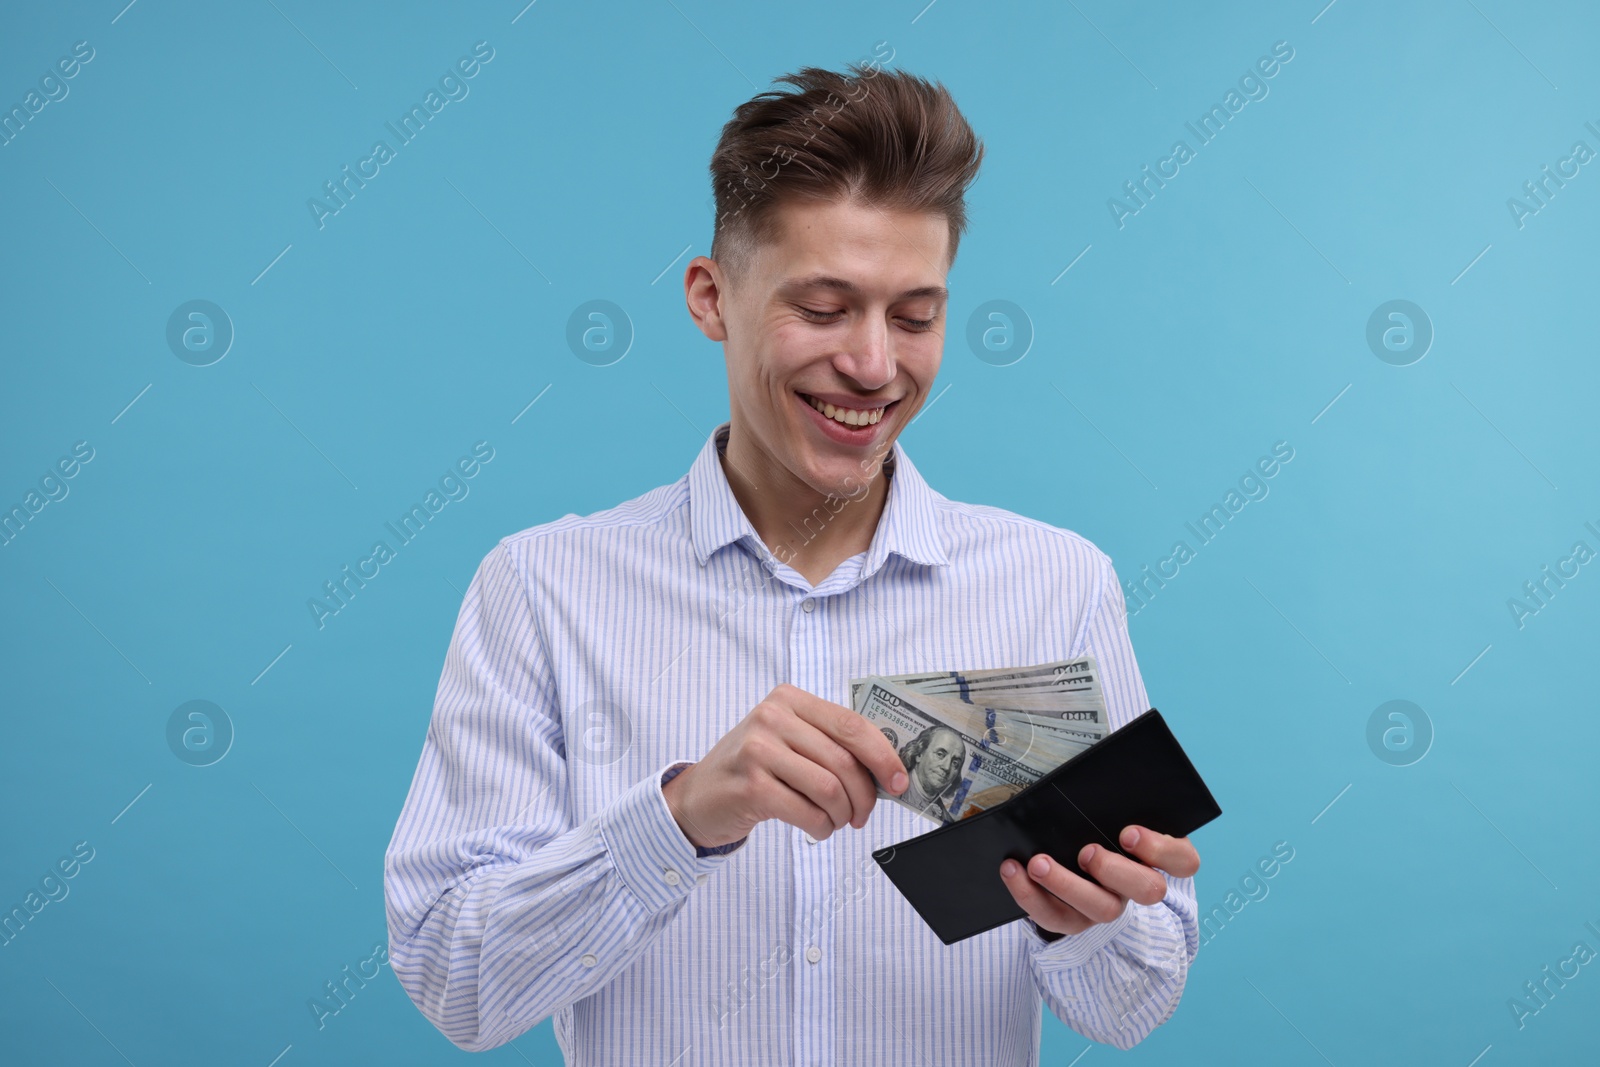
(916, 325)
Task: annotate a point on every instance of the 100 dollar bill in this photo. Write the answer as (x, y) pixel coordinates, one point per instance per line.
(972, 739)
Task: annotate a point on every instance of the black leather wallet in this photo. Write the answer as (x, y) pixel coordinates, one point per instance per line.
(1138, 774)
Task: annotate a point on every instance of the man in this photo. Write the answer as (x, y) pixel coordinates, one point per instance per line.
(933, 760)
(643, 806)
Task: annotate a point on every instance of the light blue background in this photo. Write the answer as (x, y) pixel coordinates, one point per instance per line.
(425, 316)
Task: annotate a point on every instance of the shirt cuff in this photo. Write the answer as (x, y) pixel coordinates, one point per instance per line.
(650, 852)
(1074, 950)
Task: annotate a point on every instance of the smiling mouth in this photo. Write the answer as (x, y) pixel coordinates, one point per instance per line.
(848, 416)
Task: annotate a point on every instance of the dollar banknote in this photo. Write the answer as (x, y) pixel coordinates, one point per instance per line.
(1065, 676)
(973, 739)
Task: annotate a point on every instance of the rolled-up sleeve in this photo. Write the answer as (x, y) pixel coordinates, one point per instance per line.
(1116, 982)
(501, 909)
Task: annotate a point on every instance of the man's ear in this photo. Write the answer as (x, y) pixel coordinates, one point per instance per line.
(705, 292)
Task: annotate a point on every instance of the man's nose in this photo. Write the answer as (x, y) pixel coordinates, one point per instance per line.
(866, 358)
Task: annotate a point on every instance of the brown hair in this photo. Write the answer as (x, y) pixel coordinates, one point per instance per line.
(887, 139)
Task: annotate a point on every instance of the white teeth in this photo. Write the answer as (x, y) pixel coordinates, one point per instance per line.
(847, 416)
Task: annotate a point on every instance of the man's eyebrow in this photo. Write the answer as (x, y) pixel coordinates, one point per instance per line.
(844, 285)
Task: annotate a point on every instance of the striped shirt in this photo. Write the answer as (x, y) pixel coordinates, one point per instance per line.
(536, 870)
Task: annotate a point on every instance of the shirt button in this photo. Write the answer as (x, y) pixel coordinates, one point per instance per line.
(808, 605)
(810, 840)
(671, 876)
(813, 954)
(588, 959)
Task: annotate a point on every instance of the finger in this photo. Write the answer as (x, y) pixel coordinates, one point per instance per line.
(787, 805)
(816, 783)
(1097, 903)
(865, 741)
(1123, 876)
(1044, 908)
(1175, 855)
(823, 750)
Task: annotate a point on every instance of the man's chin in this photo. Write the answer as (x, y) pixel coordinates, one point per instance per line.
(839, 478)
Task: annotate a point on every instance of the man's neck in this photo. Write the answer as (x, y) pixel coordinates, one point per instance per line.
(810, 531)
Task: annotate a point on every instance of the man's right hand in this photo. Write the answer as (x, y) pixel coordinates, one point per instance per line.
(795, 757)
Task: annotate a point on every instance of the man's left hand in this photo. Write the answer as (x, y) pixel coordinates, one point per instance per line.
(1062, 901)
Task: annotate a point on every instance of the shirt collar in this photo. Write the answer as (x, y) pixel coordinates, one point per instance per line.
(908, 526)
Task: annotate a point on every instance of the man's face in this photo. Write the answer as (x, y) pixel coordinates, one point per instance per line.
(846, 308)
(940, 762)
